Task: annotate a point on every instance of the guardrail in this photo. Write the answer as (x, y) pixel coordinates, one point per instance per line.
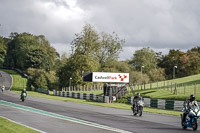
(46, 91)
(86, 96)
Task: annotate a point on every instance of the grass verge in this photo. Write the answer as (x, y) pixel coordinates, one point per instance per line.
(110, 105)
(7, 126)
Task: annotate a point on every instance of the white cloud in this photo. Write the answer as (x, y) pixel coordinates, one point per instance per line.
(159, 24)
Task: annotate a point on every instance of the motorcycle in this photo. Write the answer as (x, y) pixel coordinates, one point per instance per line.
(191, 118)
(23, 96)
(138, 108)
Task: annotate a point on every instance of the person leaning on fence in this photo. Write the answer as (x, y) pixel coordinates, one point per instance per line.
(187, 106)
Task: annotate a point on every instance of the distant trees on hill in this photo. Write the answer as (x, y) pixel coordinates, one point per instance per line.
(91, 51)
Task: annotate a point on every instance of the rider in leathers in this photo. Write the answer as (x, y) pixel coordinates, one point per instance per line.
(136, 99)
(187, 105)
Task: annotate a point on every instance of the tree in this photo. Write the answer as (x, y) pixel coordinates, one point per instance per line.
(48, 79)
(190, 63)
(26, 46)
(145, 57)
(41, 82)
(108, 49)
(3, 51)
(157, 74)
(104, 47)
(35, 59)
(89, 52)
(74, 68)
(85, 43)
(169, 61)
(136, 78)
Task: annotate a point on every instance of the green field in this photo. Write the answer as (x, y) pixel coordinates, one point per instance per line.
(7, 126)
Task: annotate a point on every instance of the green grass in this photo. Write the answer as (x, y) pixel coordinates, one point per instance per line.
(18, 81)
(7, 126)
(110, 105)
(163, 90)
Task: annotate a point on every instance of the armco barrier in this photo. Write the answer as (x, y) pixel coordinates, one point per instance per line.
(46, 91)
(85, 96)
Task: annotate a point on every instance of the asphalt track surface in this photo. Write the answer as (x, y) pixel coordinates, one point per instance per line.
(112, 120)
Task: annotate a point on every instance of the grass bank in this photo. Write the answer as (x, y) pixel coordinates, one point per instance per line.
(7, 126)
(177, 89)
(19, 82)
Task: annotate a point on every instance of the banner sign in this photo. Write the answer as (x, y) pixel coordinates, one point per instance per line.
(110, 77)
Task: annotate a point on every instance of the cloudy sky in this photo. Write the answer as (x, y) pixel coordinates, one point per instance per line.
(158, 24)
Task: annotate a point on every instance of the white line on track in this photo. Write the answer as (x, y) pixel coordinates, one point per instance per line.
(83, 122)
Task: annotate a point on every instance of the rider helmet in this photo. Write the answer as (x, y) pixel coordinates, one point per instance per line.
(192, 97)
(138, 94)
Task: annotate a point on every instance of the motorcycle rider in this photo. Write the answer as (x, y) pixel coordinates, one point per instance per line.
(187, 105)
(136, 99)
(2, 88)
(23, 91)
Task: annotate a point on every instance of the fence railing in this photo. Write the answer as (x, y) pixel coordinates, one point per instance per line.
(174, 88)
(83, 88)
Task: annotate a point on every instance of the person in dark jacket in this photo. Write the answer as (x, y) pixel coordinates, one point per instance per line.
(136, 99)
(187, 105)
(23, 91)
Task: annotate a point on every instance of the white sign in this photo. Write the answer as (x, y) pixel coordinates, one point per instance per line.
(110, 77)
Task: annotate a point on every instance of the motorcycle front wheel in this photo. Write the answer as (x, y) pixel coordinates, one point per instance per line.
(140, 109)
(195, 125)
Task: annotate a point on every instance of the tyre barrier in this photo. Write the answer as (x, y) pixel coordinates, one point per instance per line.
(161, 103)
(86, 96)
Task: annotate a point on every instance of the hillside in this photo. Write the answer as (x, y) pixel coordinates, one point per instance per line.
(179, 89)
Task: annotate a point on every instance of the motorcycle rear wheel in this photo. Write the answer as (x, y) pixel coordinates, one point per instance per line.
(183, 125)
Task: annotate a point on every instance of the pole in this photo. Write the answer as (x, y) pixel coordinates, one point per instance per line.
(70, 82)
(174, 72)
(141, 74)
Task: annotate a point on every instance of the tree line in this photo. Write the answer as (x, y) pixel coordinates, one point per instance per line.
(91, 52)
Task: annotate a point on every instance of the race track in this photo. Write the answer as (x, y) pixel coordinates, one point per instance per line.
(114, 120)
(52, 116)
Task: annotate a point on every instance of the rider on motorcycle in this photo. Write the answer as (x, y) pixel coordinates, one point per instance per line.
(187, 105)
(136, 99)
(23, 91)
(2, 88)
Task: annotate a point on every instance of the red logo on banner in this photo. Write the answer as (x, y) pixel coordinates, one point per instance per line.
(122, 77)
